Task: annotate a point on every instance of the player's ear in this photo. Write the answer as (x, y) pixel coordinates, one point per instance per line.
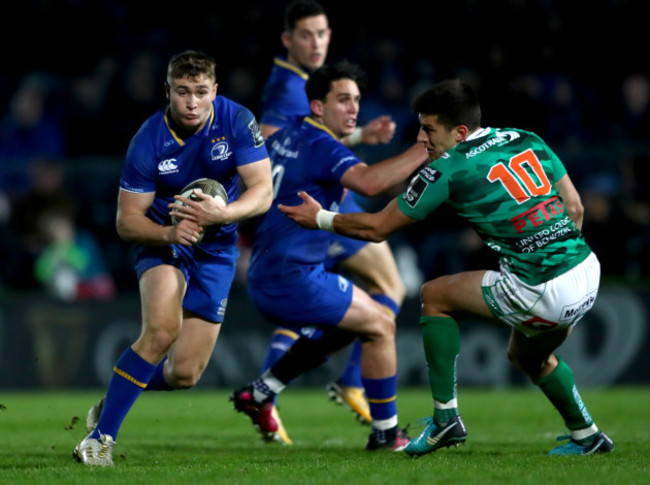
(286, 39)
(214, 90)
(316, 107)
(461, 133)
(167, 89)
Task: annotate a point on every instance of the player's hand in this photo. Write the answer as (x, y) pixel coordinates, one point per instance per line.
(205, 211)
(379, 130)
(185, 232)
(305, 213)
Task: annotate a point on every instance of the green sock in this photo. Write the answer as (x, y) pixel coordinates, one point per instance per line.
(560, 388)
(441, 338)
(442, 416)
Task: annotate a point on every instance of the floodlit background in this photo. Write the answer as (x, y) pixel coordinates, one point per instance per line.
(79, 77)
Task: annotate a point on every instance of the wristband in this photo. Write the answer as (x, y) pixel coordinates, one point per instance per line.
(325, 220)
(355, 137)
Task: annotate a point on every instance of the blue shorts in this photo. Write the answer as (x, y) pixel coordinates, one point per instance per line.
(208, 275)
(342, 247)
(316, 298)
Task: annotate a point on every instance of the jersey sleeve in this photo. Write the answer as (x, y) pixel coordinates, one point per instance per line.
(334, 159)
(559, 170)
(138, 172)
(249, 146)
(426, 191)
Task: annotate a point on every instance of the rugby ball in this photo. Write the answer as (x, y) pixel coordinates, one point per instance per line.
(206, 186)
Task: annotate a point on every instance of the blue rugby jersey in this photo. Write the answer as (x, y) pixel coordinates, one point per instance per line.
(159, 161)
(305, 157)
(284, 101)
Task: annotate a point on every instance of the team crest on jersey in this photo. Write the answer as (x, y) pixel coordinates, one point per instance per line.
(220, 151)
(258, 139)
(168, 166)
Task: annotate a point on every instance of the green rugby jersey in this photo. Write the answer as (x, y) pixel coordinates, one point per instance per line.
(502, 181)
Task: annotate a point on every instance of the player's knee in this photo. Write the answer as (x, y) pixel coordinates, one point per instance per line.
(382, 327)
(430, 295)
(184, 375)
(532, 366)
(397, 291)
(513, 357)
(157, 342)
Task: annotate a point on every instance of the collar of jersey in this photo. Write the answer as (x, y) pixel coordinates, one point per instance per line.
(178, 139)
(478, 133)
(316, 124)
(278, 61)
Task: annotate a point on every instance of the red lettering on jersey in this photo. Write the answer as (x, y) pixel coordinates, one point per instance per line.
(519, 224)
(544, 210)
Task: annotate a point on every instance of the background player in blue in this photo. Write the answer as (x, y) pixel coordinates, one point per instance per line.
(287, 279)
(183, 286)
(511, 187)
(306, 37)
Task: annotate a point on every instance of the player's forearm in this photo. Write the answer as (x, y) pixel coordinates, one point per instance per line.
(363, 226)
(388, 173)
(255, 200)
(140, 229)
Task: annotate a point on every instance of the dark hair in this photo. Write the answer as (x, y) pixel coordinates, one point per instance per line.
(300, 9)
(320, 81)
(191, 64)
(454, 102)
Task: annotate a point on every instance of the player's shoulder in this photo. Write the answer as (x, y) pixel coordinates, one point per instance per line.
(282, 68)
(226, 106)
(150, 132)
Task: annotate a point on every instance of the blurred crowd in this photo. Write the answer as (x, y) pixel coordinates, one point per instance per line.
(70, 103)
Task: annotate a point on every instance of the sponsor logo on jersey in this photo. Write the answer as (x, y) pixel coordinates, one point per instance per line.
(431, 174)
(168, 166)
(282, 150)
(500, 138)
(220, 151)
(571, 312)
(415, 190)
(258, 139)
(538, 214)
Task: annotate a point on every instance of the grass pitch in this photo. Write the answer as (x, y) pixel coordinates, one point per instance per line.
(194, 437)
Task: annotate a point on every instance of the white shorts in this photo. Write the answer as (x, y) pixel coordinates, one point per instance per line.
(560, 302)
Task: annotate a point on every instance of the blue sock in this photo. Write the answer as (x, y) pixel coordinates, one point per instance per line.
(351, 376)
(157, 381)
(281, 340)
(130, 376)
(381, 394)
(387, 302)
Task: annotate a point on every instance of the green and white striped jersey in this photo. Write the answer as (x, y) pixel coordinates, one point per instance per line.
(502, 181)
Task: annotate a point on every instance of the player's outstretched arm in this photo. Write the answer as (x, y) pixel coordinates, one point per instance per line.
(371, 180)
(379, 130)
(375, 227)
